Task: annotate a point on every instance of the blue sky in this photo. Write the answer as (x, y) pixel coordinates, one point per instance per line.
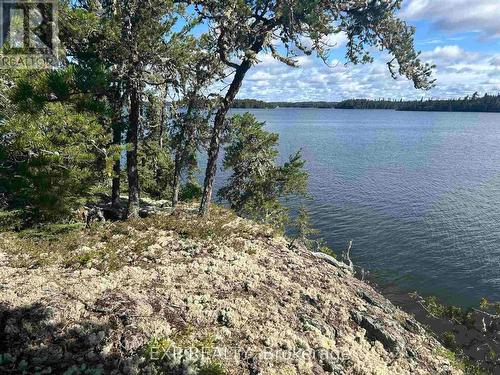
(461, 37)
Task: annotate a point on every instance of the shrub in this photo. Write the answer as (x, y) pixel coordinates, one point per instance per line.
(11, 220)
(212, 368)
(190, 191)
(156, 171)
(258, 185)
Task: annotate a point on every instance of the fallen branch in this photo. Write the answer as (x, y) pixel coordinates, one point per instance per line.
(492, 316)
(334, 262)
(346, 256)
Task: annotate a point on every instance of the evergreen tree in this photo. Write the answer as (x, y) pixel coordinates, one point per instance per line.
(301, 225)
(56, 108)
(190, 128)
(189, 131)
(136, 40)
(257, 185)
(155, 162)
(86, 38)
(50, 160)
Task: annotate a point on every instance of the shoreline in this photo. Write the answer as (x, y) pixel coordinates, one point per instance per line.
(476, 339)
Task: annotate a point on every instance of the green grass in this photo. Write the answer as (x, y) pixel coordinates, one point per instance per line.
(52, 232)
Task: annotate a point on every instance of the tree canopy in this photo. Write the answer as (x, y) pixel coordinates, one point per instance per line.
(139, 86)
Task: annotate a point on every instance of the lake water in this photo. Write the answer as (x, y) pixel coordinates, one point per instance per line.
(417, 192)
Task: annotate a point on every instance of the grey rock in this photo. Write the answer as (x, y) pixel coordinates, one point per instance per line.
(225, 318)
(412, 326)
(329, 361)
(356, 316)
(326, 330)
(312, 301)
(376, 331)
(92, 339)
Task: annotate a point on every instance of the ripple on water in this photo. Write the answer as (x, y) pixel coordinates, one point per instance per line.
(419, 193)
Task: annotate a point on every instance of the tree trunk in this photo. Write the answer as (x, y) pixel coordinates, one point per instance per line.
(161, 132)
(177, 179)
(188, 134)
(163, 117)
(219, 121)
(115, 188)
(132, 138)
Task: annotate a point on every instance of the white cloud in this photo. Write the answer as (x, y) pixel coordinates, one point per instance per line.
(332, 41)
(449, 54)
(457, 15)
(266, 59)
(432, 41)
(304, 61)
(259, 75)
(458, 73)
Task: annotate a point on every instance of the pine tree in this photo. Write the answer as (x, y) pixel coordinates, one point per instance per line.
(155, 161)
(190, 126)
(50, 160)
(301, 225)
(258, 185)
(139, 44)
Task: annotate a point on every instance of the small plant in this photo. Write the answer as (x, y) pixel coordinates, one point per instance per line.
(490, 307)
(11, 220)
(449, 340)
(50, 232)
(302, 226)
(166, 354)
(323, 248)
(454, 313)
(461, 362)
(212, 368)
(492, 355)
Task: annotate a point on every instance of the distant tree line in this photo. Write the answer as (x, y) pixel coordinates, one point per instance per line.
(368, 104)
(251, 104)
(474, 103)
(320, 104)
(254, 103)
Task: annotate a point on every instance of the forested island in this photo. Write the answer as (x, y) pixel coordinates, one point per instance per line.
(260, 104)
(474, 103)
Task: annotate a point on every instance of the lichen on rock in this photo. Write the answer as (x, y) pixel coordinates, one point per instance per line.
(225, 295)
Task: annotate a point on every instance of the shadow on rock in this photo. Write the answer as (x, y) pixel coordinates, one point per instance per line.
(30, 342)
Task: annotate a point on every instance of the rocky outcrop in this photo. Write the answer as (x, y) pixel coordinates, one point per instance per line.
(190, 295)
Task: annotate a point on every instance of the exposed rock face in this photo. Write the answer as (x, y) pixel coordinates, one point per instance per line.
(259, 307)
